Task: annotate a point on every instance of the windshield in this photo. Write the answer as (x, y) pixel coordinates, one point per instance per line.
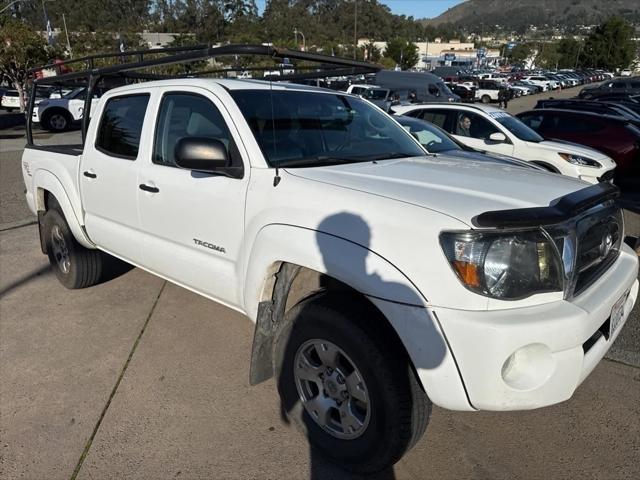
(74, 93)
(302, 129)
(518, 128)
(375, 94)
(431, 137)
(444, 89)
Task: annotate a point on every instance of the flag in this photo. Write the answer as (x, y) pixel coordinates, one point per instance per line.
(49, 30)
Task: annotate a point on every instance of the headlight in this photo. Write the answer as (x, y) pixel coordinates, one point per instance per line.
(579, 160)
(507, 266)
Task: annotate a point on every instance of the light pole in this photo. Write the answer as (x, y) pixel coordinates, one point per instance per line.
(355, 29)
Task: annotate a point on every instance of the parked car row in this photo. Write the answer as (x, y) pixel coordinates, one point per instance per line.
(611, 126)
(486, 87)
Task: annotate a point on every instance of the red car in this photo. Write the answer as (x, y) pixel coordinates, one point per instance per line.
(613, 135)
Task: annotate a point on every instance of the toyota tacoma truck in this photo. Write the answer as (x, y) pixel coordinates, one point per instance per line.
(381, 279)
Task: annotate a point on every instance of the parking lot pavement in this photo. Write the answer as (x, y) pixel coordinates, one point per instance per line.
(60, 355)
(182, 407)
(527, 102)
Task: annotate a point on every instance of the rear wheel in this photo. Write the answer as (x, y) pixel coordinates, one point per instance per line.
(57, 121)
(74, 265)
(346, 386)
(485, 99)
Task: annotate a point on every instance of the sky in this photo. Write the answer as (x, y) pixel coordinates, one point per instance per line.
(417, 8)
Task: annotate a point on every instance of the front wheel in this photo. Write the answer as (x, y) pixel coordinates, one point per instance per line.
(348, 387)
(485, 99)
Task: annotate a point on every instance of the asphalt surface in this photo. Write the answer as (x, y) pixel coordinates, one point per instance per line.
(137, 378)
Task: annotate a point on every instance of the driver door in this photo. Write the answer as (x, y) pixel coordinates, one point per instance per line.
(193, 222)
(479, 133)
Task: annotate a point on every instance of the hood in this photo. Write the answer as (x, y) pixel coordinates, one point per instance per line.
(482, 156)
(574, 148)
(455, 186)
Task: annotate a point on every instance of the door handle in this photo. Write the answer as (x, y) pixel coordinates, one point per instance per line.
(149, 189)
(90, 175)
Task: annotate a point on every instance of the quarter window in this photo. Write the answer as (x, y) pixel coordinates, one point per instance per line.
(184, 115)
(121, 126)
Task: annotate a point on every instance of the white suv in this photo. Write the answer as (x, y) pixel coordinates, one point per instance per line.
(494, 130)
(542, 81)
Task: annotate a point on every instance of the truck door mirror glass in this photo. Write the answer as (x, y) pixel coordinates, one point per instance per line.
(498, 137)
(201, 154)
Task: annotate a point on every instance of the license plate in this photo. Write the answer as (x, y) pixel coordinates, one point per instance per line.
(617, 314)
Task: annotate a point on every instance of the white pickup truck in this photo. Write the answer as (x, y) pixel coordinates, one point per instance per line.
(382, 279)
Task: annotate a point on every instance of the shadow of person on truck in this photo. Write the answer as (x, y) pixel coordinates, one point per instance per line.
(344, 242)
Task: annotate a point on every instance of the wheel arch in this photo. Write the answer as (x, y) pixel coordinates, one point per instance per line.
(49, 189)
(546, 165)
(46, 114)
(280, 274)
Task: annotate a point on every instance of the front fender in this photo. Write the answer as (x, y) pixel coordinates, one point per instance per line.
(47, 181)
(346, 261)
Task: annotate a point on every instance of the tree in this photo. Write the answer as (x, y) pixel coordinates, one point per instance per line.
(20, 50)
(519, 53)
(403, 52)
(569, 52)
(609, 45)
(370, 52)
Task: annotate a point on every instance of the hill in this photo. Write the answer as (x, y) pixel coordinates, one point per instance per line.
(518, 14)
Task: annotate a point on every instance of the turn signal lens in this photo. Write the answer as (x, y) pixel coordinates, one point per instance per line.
(468, 273)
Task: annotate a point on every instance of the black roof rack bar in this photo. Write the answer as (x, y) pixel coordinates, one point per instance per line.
(226, 50)
(339, 72)
(89, 58)
(92, 76)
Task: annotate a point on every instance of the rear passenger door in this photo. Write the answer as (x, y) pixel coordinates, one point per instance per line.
(192, 223)
(108, 176)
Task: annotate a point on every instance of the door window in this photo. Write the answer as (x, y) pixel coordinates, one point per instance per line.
(532, 120)
(121, 126)
(184, 115)
(437, 117)
(469, 124)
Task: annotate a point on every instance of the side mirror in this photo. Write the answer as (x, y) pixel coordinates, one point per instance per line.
(205, 155)
(498, 137)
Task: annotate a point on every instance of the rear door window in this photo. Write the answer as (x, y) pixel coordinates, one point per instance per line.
(575, 124)
(121, 126)
(437, 117)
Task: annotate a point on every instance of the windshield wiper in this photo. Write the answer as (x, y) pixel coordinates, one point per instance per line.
(391, 156)
(320, 161)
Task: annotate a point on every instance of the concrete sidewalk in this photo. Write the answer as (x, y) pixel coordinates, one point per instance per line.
(138, 379)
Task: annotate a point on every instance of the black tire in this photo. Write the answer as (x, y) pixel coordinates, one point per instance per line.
(485, 99)
(74, 265)
(399, 408)
(57, 120)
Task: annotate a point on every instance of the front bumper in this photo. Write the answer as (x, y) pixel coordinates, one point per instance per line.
(557, 344)
(595, 175)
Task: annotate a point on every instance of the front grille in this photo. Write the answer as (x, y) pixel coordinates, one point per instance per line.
(599, 237)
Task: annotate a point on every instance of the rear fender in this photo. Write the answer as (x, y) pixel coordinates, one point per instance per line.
(45, 181)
